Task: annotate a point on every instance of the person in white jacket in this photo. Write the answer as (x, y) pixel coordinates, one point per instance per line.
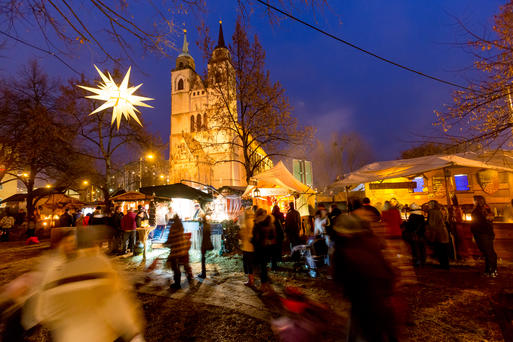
(81, 297)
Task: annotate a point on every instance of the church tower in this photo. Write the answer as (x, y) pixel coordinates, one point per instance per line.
(200, 151)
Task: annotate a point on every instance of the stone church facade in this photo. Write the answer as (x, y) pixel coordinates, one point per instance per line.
(201, 152)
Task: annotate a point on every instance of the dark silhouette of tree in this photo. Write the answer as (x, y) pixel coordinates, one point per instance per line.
(483, 113)
(41, 141)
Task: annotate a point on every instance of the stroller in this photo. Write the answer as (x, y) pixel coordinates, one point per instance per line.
(313, 254)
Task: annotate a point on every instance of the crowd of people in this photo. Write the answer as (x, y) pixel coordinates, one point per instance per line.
(352, 243)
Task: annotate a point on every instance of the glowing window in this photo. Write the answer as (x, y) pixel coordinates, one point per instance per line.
(420, 184)
(180, 85)
(461, 182)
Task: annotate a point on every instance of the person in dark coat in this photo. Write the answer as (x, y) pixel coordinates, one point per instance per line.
(482, 229)
(264, 240)
(413, 234)
(366, 278)
(373, 212)
(437, 233)
(279, 220)
(66, 220)
(206, 245)
(293, 225)
(141, 216)
(118, 230)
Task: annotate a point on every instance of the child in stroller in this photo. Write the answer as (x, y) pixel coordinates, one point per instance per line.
(313, 254)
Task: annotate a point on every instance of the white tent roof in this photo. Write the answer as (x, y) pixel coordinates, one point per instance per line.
(410, 167)
(277, 181)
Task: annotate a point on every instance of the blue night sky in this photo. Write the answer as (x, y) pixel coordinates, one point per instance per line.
(330, 85)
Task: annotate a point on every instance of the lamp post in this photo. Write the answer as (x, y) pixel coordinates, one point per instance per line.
(149, 156)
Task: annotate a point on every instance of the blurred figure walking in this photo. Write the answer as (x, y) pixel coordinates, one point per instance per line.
(246, 220)
(180, 243)
(367, 279)
(413, 234)
(374, 213)
(437, 234)
(264, 239)
(81, 297)
(392, 219)
(482, 228)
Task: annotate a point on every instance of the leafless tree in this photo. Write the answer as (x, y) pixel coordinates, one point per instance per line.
(41, 140)
(341, 154)
(483, 113)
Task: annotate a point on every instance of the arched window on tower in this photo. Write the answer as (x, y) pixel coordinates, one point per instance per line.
(205, 121)
(179, 85)
(193, 126)
(198, 123)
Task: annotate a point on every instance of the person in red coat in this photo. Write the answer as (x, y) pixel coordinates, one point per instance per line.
(128, 225)
(392, 219)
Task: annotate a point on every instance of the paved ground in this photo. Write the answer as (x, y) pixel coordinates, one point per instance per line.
(444, 305)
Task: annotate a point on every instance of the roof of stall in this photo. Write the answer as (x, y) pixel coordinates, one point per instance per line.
(277, 181)
(378, 171)
(177, 190)
(136, 196)
(37, 193)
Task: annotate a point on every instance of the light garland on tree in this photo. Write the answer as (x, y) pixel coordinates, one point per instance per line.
(121, 98)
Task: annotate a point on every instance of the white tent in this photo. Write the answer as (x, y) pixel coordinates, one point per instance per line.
(277, 181)
(411, 167)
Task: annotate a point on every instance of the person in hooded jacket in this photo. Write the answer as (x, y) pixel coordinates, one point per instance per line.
(264, 240)
(413, 234)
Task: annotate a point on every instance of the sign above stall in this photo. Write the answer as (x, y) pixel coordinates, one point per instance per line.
(399, 185)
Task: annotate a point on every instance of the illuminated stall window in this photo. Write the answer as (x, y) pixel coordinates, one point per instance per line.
(461, 182)
(420, 184)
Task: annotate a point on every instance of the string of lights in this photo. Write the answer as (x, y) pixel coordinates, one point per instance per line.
(386, 60)
(39, 49)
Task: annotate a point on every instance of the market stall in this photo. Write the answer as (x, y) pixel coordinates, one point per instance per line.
(279, 186)
(437, 177)
(189, 204)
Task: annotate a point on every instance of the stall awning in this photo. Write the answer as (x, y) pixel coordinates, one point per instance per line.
(177, 190)
(38, 193)
(135, 196)
(415, 166)
(277, 181)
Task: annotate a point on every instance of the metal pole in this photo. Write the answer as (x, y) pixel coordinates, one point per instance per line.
(140, 172)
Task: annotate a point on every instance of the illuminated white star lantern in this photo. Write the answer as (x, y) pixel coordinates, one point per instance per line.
(121, 98)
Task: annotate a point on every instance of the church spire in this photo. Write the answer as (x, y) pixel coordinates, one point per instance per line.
(185, 47)
(220, 40)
